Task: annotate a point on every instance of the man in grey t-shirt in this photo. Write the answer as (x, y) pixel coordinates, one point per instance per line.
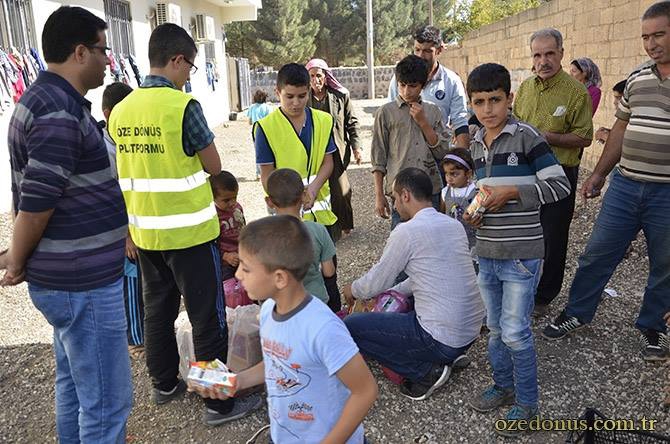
(422, 345)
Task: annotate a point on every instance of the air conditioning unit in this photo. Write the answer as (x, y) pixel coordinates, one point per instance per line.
(168, 13)
(204, 28)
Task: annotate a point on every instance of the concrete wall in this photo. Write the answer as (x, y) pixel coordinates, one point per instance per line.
(607, 31)
(355, 79)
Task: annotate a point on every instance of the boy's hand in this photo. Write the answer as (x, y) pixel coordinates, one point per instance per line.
(131, 248)
(209, 392)
(499, 196)
(475, 220)
(416, 111)
(232, 258)
(358, 155)
(667, 318)
(382, 207)
(601, 134)
(592, 186)
(348, 296)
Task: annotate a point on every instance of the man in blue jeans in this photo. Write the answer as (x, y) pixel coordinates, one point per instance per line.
(638, 197)
(423, 345)
(70, 230)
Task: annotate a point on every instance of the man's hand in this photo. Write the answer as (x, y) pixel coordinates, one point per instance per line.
(475, 220)
(348, 296)
(358, 155)
(382, 207)
(131, 248)
(592, 186)
(14, 273)
(231, 258)
(416, 111)
(310, 197)
(499, 196)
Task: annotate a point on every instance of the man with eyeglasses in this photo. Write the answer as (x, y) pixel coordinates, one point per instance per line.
(70, 230)
(164, 148)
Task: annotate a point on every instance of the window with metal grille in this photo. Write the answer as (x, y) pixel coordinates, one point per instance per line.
(210, 51)
(17, 27)
(120, 27)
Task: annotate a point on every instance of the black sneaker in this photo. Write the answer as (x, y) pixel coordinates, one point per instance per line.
(160, 397)
(562, 326)
(242, 407)
(654, 345)
(420, 390)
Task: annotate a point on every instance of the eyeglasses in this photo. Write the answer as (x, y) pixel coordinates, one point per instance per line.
(193, 69)
(105, 49)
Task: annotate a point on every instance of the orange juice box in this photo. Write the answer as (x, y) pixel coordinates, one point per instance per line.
(213, 374)
(476, 204)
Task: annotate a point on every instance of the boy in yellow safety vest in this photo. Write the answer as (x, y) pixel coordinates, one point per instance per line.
(299, 138)
(164, 149)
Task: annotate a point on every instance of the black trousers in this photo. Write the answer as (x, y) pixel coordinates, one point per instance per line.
(556, 218)
(195, 274)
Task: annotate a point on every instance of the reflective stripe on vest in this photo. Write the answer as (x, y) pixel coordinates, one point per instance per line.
(164, 185)
(289, 152)
(168, 198)
(174, 221)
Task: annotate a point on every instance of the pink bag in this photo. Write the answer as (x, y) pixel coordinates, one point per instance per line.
(392, 301)
(236, 295)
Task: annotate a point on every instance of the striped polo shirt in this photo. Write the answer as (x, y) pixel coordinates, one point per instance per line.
(59, 161)
(518, 156)
(645, 105)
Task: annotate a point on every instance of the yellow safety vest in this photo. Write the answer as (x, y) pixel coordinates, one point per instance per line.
(168, 197)
(290, 153)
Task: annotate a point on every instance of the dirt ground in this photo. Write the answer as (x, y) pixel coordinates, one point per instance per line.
(599, 367)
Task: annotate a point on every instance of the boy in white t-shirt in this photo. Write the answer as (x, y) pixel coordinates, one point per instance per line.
(319, 387)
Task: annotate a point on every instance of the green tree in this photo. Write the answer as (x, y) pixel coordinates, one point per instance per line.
(339, 39)
(282, 34)
(392, 22)
(484, 12)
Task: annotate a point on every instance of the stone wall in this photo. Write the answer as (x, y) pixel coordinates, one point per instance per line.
(607, 31)
(355, 79)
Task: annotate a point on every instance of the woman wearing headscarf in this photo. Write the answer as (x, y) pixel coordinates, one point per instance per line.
(587, 72)
(328, 95)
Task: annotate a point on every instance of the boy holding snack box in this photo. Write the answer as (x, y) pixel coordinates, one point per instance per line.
(319, 387)
(516, 173)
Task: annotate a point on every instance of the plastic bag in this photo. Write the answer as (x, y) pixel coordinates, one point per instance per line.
(392, 301)
(184, 334)
(244, 339)
(235, 293)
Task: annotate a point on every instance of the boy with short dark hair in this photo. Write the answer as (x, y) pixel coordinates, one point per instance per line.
(517, 169)
(407, 133)
(231, 220)
(319, 387)
(285, 194)
(132, 282)
(300, 138)
(164, 150)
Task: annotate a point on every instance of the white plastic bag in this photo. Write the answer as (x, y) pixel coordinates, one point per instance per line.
(244, 340)
(184, 334)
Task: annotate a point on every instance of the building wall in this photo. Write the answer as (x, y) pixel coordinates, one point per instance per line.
(355, 79)
(607, 31)
(215, 103)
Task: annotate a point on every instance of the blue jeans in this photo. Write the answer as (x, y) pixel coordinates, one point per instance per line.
(94, 391)
(508, 289)
(397, 341)
(628, 207)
